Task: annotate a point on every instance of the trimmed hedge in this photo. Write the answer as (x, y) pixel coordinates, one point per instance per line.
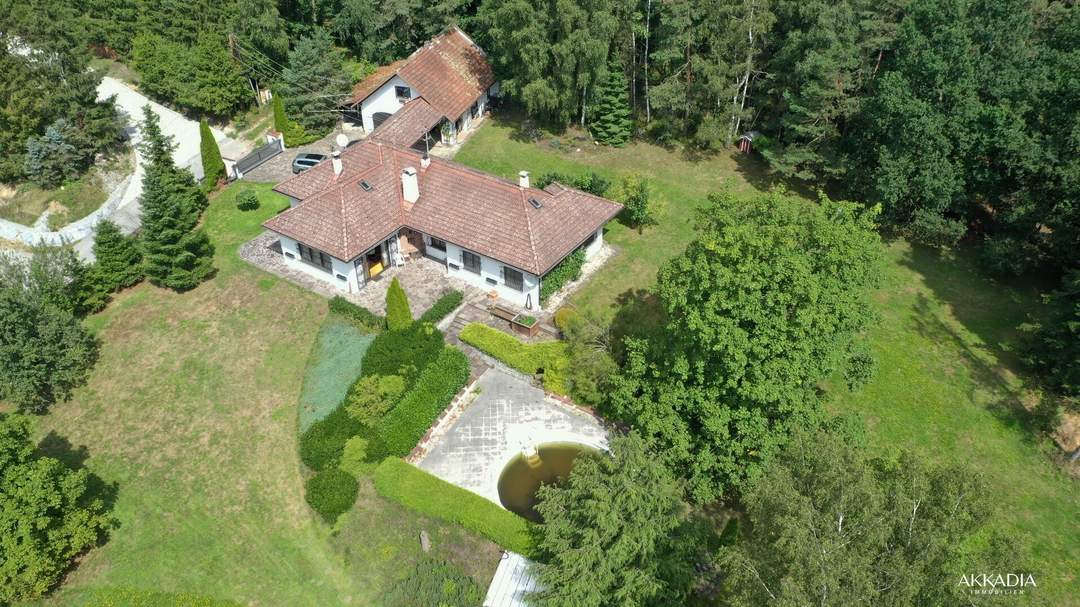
(429, 495)
(322, 444)
(360, 316)
(405, 352)
(445, 305)
(331, 492)
(550, 357)
(400, 429)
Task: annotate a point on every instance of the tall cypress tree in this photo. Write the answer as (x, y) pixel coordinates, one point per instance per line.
(611, 124)
(176, 253)
(213, 165)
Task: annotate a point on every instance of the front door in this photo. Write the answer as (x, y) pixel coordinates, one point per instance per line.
(374, 262)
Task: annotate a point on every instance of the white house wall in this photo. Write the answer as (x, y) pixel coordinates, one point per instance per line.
(492, 269)
(352, 281)
(596, 245)
(384, 99)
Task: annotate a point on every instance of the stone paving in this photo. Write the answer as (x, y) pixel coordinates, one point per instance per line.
(499, 415)
(423, 279)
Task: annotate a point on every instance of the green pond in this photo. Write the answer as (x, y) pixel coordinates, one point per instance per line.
(521, 478)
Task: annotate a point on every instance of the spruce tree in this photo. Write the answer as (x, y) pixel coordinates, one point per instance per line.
(611, 124)
(398, 315)
(213, 165)
(119, 263)
(176, 253)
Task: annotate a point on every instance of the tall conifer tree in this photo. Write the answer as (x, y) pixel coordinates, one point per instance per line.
(611, 124)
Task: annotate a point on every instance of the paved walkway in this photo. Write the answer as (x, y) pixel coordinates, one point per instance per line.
(423, 280)
(500, 415)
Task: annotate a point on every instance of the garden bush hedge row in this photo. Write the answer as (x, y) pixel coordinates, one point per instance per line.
(445, 305)
(429, 495)
(360, 316)
(404, 352)
(435, 583)
(331, 492)
(400, 429)
(550, 356)
(322, 444)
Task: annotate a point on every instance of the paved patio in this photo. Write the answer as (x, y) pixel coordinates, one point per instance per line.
(501, 414)
(423, 280)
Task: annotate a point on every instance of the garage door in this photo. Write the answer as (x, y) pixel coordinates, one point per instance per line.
(379, 117)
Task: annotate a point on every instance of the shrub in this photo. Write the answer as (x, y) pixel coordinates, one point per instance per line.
(247, 201)
(354, 456)
(634, 193)
(590, 363)
(398, 315)
(434, 583)
(429, 495)
(405, 424)
(405, 352)
(360, 316)
(549, 358)
(567, 270)
(564, 316)
(370, 397)
(331, 492)
(445, 305)
(322, 444)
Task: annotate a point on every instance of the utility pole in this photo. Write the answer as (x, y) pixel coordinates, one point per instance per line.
(253, 82)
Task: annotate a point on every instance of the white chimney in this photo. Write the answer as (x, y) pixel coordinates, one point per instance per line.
(523, 179)
(336, 159)
(425, 161)
(410, 187)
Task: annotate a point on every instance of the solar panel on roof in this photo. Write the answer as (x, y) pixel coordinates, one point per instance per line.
(536, 203)
(364, 185)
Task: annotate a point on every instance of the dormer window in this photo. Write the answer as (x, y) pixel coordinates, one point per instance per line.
(403, 93)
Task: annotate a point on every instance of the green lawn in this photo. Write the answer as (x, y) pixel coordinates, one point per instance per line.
(192, 412)
(946, 384)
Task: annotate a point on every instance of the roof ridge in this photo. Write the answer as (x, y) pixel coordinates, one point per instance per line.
(529, 230)
(344, 222)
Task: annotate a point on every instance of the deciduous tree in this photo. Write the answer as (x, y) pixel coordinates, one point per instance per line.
(48, 513)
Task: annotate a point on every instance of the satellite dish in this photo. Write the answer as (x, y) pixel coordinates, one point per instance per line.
(342, 140)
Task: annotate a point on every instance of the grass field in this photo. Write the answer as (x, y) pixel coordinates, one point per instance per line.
(191, 412)
(946, 385)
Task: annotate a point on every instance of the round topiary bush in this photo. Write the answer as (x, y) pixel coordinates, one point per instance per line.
(331, 492)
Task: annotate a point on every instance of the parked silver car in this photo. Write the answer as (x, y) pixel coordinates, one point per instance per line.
(303, 162)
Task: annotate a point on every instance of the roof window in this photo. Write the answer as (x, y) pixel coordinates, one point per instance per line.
(364, 185)
(536, 203)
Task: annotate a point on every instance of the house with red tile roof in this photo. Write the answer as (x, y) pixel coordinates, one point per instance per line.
(441, 90)
(376, 205)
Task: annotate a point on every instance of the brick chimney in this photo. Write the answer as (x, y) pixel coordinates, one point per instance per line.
(523, 179)
(410, 186)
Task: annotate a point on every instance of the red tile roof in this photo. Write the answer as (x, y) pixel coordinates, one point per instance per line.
(407, 125)
(466, 207)
(450, 71)
(373, 81)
